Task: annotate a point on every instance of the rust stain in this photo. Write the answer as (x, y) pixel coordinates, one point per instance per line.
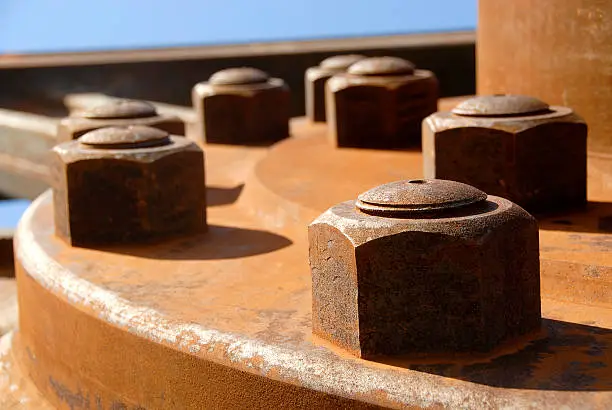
(236, 331)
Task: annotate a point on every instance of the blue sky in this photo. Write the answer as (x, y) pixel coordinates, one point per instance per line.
(77, 25)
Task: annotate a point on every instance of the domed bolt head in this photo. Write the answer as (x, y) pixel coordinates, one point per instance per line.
(134, 136)
(424, 267)
(127, 184)
(380, 103)
(513, 146)
(417, 196)
(501, 105)
(316, 78)
(120, 109)
(120, 113)
(242, 106)
(382, 66)
(340, 62)
(239, 76)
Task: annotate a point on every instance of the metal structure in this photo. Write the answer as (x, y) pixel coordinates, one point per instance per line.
(421, 293)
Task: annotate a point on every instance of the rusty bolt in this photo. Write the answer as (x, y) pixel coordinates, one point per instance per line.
(127, 184)
(242, 106)
(512, 146)
(316, 78)
(424, 266)
(117, 113)
(380, 103)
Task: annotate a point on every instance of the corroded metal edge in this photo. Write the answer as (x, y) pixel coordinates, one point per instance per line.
(290, 365)
(316, 368)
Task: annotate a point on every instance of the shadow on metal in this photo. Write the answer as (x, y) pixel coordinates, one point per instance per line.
(216, 196)
(220, 242)
(596, 217)
(566, 357)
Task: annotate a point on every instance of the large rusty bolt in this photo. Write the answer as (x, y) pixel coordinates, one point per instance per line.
(120, 112)
(316, 78)
(242, 106)
(512, 146)
(127, 184)
(380, 103)
(424, 266)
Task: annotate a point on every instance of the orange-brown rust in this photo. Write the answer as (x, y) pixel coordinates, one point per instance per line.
(226, 318)
(557, 51)
(116, 112)
(117, 369)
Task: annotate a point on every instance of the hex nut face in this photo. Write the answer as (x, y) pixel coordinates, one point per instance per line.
(122, 195)
(315, 79)
(78, 124)
(379, 112)
(244, 113)
(537, 161)
(464, 281)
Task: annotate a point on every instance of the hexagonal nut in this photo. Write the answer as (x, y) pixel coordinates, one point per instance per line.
(127, 184)
(422, 267)
(118, 113)
(380, 103)
(316, 78)
(242, 106)
(516, 147)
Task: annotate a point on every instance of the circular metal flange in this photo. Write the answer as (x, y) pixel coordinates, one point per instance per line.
(501, 105)
(134, 136)
(340, 62)
(418, 196)
(121, 109)
(382, 66)
(239, 76)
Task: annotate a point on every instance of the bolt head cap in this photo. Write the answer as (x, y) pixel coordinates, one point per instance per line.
(418, 196)
(382, 66)
(341, 62)
(239, 76)
(121, 109)
(134, 136)
(500, 106)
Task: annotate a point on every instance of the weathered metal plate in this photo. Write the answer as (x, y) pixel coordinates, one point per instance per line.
(226, 318)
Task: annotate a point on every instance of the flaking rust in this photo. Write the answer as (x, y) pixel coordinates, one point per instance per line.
(233, 328)
(424, 266)
(512, 146)
(243, 106)
(316, 78)
(127, 184)
(379, 102)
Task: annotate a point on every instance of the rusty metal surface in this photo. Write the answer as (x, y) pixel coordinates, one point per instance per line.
(243, 106)
(126, 184)
(25, 138)
(116, 112)
(130, 74)
(315, 79)
(541, 54)
(379, 103)
(516, 147)
(439, 267)
(244, 336)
